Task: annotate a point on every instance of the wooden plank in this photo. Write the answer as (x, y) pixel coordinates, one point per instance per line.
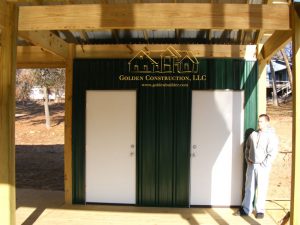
(2, 14)
(7, 114)
(47, 40)
(277, 41)
(128, 51)
(295, 195)
(36, 57)
(262, 82)
(167, 16)
(68, 125)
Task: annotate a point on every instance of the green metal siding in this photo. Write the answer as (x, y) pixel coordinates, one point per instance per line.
(164, 142)
(164, 117)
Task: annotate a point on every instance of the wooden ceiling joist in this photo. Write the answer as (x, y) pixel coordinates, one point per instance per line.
(277, 41)
(47, 40)
(36, 57)
(69, 36)
(167, 16)
(129, 51)
(84, 36)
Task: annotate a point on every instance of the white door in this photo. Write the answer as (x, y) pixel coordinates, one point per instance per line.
(110, 146)
(216, 148)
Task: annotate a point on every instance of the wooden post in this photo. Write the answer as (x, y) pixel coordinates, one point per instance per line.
(295, 195)
(7, 113)
(68, 124)
(262, 85)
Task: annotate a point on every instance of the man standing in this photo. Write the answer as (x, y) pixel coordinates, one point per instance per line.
(261, 149)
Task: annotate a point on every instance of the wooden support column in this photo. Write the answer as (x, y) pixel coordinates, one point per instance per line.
(262, 84)
(295, 196)
(7, 113)
(68, 124)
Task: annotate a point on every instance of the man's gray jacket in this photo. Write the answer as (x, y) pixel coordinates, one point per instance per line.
(262, 147)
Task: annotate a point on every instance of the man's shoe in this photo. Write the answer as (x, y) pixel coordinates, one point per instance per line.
(259, 216)
(242, 212)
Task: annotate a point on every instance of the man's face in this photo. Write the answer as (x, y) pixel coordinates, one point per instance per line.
(262, 123)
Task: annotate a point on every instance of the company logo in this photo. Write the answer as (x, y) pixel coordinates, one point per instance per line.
(169, 61)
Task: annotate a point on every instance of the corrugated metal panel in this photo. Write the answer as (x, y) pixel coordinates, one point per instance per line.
(164, 140)
(249, 84)
(170, 36)
(164, 123)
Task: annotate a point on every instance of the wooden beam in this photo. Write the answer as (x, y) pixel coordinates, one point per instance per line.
(115, 35)
(146, 36)
(69, 36)
(7, 114)
(259, 36)
(128, 51)
(261, 85)
(84, 36)
(261, 32)
(274, 43)
(47, 40)
(68, 125)
(295, 195)
(36, 57)
(2, 14)
(178, 34)
(39, 2)
(167, 16)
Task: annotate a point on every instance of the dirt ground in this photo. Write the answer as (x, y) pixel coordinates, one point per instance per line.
(39, 151)
(280, 177)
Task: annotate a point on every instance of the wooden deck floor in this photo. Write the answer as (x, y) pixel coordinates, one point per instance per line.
(47, 208)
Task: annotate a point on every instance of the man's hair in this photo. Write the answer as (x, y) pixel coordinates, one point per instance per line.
(267, 118)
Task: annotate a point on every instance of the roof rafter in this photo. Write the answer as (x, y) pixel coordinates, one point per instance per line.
(140, 16)
(274, 43)
(47, 40)
(115, 34)
(69, 36)
(83, 34)
(146, 36)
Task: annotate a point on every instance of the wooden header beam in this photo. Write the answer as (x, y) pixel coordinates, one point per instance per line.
(129, 51)
(167, 16)
(277, 41)
(36, 57)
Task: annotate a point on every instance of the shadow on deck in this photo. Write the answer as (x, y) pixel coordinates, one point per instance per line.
(47, 207)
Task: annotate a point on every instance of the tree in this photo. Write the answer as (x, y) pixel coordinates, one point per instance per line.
(275, 99)
(24, 84)
(286, 60)
(49, 79)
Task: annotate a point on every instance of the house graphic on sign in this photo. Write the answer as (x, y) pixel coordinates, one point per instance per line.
(188, 64)
(169, 61)
(142, 63)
